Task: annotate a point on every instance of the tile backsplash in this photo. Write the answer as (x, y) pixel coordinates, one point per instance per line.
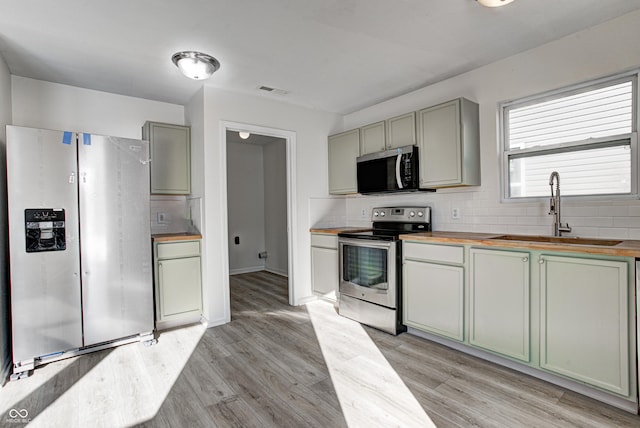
(169, 214)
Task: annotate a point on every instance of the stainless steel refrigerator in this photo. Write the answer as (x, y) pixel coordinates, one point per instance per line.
(80, 246)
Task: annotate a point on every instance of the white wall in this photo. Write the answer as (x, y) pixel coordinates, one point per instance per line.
(311, 128)
(39, 104)
(246, 198)
(602, 50)
(5, 119)
(275, 206)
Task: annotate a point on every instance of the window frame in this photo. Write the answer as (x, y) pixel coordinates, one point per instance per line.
(591, 143)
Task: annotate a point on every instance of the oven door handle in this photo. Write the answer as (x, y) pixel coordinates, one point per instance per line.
(371, 243)
(398, 164)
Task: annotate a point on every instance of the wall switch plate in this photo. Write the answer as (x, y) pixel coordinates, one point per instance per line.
(455, 213)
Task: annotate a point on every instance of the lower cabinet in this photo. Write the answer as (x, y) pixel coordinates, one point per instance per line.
(433, 288)
(178, 284)
(324, 265)
(499, 302)
(585, 321)
(434, 298)
(565, 313)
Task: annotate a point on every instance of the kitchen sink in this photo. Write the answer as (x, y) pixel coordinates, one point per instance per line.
(560, 240)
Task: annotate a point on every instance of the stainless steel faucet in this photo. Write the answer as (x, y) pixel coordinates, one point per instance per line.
(554, 206)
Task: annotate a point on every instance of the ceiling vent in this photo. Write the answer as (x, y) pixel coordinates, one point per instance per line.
(273, 90)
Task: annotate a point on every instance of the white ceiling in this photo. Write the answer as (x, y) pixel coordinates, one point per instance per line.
(334, 55)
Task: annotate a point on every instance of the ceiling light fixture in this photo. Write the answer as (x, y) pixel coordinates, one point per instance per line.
(494, 3)
(244, 134)
(195, 65)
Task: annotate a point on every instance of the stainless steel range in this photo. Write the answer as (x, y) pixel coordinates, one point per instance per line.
(371, 267)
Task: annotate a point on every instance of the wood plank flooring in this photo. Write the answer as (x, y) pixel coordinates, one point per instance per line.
(275, 365)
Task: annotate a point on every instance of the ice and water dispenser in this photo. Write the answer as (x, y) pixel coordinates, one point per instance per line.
(44, 230)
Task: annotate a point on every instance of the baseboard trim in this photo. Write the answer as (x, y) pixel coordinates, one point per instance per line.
(278, 272)
(240, 271)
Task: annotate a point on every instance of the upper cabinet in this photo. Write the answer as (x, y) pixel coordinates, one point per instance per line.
(170, 147)
(401, 131)
(449, 141)
(344, 148)
(372, 138)
(388, 134)
(448, 137)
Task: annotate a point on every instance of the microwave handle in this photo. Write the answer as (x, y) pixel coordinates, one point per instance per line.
(398, 164)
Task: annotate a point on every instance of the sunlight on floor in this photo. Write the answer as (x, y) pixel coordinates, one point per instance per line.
(371, 393)
(127, 387)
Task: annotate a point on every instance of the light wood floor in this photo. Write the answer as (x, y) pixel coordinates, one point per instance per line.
(281, 366)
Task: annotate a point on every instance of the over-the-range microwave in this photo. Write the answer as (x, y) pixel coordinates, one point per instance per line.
(394, 170)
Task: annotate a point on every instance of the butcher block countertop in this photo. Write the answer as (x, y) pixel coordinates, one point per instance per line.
(182, 236)
(336, 230)
(611, 247)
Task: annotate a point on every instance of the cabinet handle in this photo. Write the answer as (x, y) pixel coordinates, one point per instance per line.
(541, 261)
(525, 259)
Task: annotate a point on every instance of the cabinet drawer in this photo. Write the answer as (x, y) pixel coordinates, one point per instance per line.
(431, 252)
(324, 241)
(178, 249)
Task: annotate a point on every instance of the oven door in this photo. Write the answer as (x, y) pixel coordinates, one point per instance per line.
(368, 270)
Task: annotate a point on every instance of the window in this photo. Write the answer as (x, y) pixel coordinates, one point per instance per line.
(586, 133)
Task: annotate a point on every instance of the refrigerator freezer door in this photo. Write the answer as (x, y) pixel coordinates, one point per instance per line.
(117, 290)
(43, 205)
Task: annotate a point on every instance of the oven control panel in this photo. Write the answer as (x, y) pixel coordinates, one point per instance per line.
(402, 214)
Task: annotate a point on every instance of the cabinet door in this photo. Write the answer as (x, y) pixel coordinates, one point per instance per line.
(344, 148)
(499, 302)
(401, 131)
(433, 297)
(585, 320)
(179, 286)
(372, 138)
(440, 145)
(324, 271)
(170, 158)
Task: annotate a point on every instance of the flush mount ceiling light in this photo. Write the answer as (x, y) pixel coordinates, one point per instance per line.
(494, 3)
(244, 134)
(195, 65)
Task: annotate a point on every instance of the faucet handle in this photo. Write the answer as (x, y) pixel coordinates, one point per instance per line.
(564, 227)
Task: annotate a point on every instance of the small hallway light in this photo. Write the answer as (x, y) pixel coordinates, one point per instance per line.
(195, 65)
(244, 134)
(494, 3)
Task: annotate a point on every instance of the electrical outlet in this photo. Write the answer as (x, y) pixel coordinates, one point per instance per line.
(162, 218)
(455, 213)
(363, 213)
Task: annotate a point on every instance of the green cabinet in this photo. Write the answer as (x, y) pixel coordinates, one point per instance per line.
(449, 142)
(585, 320)
(178, 284)
(344, 148)
(569, 314)
(401, 131)
(499, 293)
(170, 149)
(324, 265)
(388, 134)
(373, 138)
(433, 289)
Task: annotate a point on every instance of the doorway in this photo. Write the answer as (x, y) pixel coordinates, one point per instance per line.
(259, 201)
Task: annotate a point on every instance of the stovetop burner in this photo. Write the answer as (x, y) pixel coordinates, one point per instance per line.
(390, 222)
